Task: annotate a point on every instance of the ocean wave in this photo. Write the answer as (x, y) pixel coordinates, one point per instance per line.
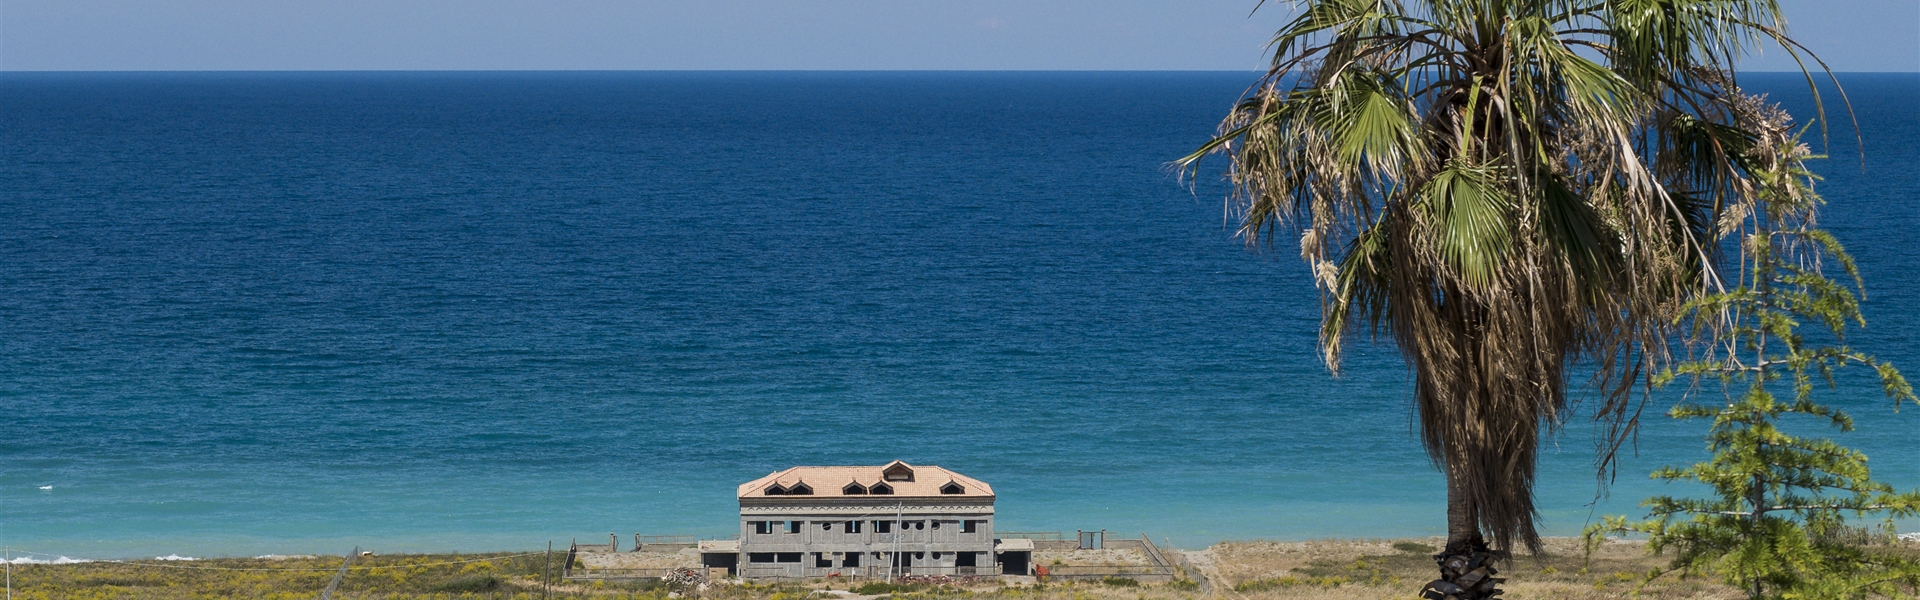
(27, 560)
(174, 557)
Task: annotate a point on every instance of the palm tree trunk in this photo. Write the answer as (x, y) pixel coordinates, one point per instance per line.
(1463, 523)
(1466, 564)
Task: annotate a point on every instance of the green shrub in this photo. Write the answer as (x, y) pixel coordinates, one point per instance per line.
(1183, 584)
(1414, 548)
(880, 587)
(1261, 585)
(1121, 582)
(469, 583)
(118, 581)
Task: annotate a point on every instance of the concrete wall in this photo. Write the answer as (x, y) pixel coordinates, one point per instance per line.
(1114, 544)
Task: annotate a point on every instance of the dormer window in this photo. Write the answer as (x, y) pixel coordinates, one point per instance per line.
(880, 488)
(853, 489)
(952, 488)
(897, 471)
(800, 489)
(777, 490)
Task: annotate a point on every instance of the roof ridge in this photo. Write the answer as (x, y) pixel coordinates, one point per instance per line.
(866, 476)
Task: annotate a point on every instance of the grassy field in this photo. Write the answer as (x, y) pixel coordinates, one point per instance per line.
(404, 577)
(1397, 568)
(1388, 569)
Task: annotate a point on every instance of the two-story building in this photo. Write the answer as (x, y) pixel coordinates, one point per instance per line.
(896, 519)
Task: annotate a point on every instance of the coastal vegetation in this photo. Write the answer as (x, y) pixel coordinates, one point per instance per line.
(1345, 569)
(1774, 524)
(400, 577)
(1504, 188)
(1385, 569)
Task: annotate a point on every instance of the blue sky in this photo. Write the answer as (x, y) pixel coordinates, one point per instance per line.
(1854, 35)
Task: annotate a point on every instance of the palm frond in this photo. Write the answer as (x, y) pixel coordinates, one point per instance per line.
(1506, 187)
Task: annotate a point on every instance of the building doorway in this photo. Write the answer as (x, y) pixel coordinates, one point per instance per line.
(1013, 563)
(721, 560)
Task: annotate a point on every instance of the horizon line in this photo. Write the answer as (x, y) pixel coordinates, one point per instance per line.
(4, 71)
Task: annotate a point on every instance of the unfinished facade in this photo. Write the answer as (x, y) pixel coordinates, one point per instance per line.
(893, 519)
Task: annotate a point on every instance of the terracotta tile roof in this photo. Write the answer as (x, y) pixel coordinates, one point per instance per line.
(832, 482)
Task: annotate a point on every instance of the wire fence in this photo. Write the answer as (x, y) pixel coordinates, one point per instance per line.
(1190, 572)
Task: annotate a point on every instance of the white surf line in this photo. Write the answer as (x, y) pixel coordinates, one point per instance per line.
(73, 561)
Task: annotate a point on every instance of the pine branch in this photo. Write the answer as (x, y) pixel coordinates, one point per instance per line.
(1776, 496)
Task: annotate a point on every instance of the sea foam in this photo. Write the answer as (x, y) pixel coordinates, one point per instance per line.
(28, 560)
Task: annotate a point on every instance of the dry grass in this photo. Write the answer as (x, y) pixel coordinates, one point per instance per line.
(400, 577)
(1364, 569)
(1397, 568)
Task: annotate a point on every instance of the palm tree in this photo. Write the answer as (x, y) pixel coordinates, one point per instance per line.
(1505, 187)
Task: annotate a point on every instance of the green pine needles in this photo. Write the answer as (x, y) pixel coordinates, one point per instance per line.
(1774, 525)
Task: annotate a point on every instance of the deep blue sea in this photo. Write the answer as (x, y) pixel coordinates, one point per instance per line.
(248, 313)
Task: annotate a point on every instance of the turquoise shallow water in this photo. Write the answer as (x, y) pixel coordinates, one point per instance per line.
(272, 312)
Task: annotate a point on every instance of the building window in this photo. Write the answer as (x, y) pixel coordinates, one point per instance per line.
(880, 488)
(786, 557)
(936, 556)
(919, 524)
(822, 561)
(852, 560)
(793, 527)
(826, 527)
(776, 490)
(853, 489)
(760, 557)
(883, 526)
(800, 489)
(936, 524)
(763, 527)
(898, 472)
(853, 527)
(966, 559)
(952, 488)
(969, 526)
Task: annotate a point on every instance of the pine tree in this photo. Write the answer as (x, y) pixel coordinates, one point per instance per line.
(1779, 501)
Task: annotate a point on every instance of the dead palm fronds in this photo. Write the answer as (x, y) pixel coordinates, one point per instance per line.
(1505, 187)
